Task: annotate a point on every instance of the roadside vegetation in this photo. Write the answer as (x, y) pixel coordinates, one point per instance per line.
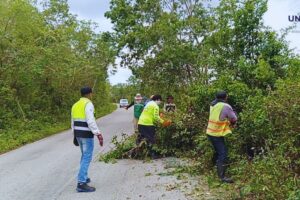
(187, 48)
(46, 56)
(191, 50)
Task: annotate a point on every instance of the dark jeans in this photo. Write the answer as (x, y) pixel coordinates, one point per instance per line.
(220, 155)
(146, 133)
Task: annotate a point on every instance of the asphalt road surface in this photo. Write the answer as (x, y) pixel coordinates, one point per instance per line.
(47, 169)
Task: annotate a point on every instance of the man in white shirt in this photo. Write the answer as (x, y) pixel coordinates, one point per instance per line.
(84, 128)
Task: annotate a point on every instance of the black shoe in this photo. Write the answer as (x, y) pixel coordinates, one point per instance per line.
(154, 156)
(88, 180)
(227, 180)
(83, 187)
(221, 173)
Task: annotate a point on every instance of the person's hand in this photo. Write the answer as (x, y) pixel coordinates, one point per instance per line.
(233, 125)
(161, 115)
(100, 138)
(166, 123)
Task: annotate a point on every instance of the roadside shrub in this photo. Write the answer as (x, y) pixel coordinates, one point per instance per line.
(179, 137)
(284, 107)
(254, 127)
(121, 147)
(271, 124)
(265, 178)
(264, 149)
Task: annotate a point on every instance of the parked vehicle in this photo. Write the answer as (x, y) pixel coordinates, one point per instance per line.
(123, 103)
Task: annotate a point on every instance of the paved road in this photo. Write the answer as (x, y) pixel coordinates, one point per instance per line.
(47, 169)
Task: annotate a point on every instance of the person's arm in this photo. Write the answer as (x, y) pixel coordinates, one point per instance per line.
(72, 124)
(90, 118)
(75, 141)
(165, 108)
(228, 113)
(131, 104)
(156, 115)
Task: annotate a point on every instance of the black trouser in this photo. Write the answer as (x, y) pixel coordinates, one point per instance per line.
(146, 133)
(220, 155)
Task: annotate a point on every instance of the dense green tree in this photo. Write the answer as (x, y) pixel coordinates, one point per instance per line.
(190, 42)
(161, 40)
(191, 49)
(242, 46)
(46, 56)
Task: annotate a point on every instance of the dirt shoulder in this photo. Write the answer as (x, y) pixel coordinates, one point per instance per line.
(130, 180)
(140, 180)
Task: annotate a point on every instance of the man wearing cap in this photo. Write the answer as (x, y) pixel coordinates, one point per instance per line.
(138, 107)
(221, 118)
(137, 96)
(84, 128)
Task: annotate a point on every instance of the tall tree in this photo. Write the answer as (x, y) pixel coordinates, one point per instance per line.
(46, 56)
(161, 41)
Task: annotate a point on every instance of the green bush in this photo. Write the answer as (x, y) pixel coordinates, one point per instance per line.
(268, 132)
(19, 132)
(179, 137)
(121, 146)
(254, 128)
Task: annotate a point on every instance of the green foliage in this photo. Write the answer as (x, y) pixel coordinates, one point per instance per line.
(127, 91)
(121, 147)
(180, 47)
(197, 43)
(264, 149)
(264, 73)
(46, 57)
(255, 114)
(164, 36)
(192, 50)
(266, 178)
(178, 138)
(21, 132)
(293, 69)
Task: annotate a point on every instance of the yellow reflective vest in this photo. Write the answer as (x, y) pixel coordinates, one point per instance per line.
(150, 115)
(216, 127)
(80, 125)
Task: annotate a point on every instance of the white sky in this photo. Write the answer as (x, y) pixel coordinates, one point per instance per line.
(276, 17)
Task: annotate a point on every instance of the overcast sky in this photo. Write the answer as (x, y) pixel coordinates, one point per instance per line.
(276, 17)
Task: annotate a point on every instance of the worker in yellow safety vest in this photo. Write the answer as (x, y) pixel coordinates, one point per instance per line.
(221, 119)
(84, 128)
(147, 122)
